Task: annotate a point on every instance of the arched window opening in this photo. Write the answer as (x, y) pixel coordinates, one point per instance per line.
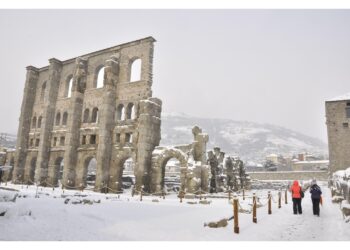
(90, 170)
(42, 94)
(69, 87)
(58, 119)
(128, 176)
(135, 74)
(34, 122)
(94, 116)
(39, 121)
(64, 118)
(120, 112)
(171, 175)
(86, 116)
(100, 78)
(130, 112)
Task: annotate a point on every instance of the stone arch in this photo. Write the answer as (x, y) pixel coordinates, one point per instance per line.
(120, 112)
(39, 121)
(86, 115)
(130, 111)
(116, 170)
(58, 118)
(94, 115)
(34, 122)
(69, 86)
(99, 76)
(135, 69)
(65, 118)
(58, 170)
(89, 171)
(159, 160)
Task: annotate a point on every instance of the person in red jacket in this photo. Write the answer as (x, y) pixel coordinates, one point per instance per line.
(296, 197)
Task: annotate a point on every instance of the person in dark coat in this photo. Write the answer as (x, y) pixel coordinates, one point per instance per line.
(316, 192)
(296, 197)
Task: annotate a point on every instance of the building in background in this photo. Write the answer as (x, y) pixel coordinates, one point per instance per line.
(337, 121)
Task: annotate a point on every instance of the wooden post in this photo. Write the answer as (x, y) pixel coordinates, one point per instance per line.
(132, 191)
(229, 194)
(285, 197)
(235, 215)
(254, 209)
(243, 194)
(200, 194)
(269, 202)
(279, 198)
(181, 195)
(163, 193)
(141, 195)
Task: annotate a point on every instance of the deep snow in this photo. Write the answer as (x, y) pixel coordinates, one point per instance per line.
(127, 218)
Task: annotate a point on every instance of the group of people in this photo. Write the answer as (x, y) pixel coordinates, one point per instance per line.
(298, 194)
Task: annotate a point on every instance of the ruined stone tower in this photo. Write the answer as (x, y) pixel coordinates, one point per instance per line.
(67, 117)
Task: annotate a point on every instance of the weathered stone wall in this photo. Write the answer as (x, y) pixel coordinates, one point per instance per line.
(338, 135)
(66, 115)
(290, 175)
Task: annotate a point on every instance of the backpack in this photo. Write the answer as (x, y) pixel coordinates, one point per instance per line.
(301, 193)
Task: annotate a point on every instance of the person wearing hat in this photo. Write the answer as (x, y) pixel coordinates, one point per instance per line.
(316, 192)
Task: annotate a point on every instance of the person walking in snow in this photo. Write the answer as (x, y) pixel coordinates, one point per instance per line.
(316, 192)
(296, 197)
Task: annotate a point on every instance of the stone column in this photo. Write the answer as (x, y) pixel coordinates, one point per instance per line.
(148, 138)
(50, 98)
(24, 122)
(74, 122)
(106, 122)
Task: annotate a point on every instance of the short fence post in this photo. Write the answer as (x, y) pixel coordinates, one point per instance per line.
(235, 215)
(243, 194)
(163, 193)
(181, 195)
(132, 191)
(279, 198)
(141, 194)
(254, 209)
(200, 194)
(229, 194)
(269, 202)
(285, 197)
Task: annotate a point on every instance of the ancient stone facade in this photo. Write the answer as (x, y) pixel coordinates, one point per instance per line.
(68, 117)
(338, 121)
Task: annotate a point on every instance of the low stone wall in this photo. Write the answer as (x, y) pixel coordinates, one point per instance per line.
(290, 175)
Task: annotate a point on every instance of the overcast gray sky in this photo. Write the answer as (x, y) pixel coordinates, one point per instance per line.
(267, 66)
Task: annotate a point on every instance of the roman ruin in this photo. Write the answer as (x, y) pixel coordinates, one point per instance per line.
(98, 108)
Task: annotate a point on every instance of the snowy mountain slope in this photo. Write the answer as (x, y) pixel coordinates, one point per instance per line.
(8, 140)
(249, 140)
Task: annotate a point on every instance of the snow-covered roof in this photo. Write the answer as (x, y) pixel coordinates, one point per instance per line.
(340, 98)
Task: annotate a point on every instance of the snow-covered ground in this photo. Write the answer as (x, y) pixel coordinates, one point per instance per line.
(47, 217)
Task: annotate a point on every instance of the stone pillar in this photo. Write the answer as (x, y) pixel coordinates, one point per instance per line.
(50, 98)
(106, 122)
(199, 145)
(148, 138)
(24, 122)
(73, 123)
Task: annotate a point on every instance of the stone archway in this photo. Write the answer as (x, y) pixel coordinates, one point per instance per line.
(58, 170)
(160, 158)
(89, 173)
(117, 169)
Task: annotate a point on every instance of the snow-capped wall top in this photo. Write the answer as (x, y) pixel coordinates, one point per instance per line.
(344, 97)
